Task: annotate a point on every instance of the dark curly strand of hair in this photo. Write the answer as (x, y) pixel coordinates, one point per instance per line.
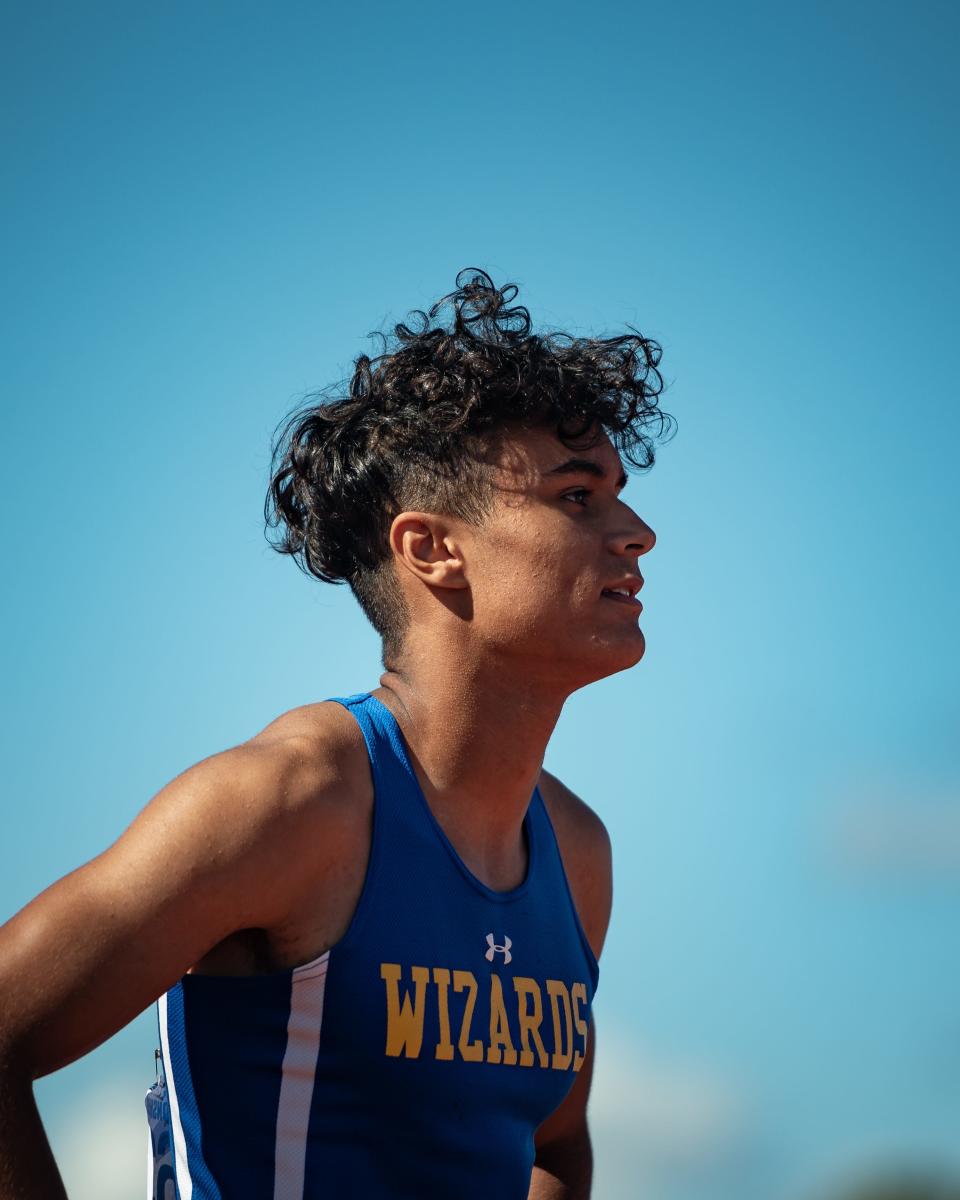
(416, 426)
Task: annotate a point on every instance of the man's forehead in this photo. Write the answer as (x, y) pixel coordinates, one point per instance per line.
(535, 455)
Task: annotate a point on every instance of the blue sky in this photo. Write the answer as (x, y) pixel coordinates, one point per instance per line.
(205, 210)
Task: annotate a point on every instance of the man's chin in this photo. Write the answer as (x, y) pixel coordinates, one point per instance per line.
(628, 656)
(609, 658)
(573, 666)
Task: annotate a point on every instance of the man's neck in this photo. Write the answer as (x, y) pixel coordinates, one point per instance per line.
(477, 737)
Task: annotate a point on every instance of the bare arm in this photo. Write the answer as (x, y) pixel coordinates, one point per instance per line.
(563, 1167)
(207, 856)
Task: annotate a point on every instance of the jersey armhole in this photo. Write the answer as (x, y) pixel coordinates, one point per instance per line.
(592, 964)
(365, 900)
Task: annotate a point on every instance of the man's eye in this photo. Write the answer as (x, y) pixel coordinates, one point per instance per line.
(578, 492)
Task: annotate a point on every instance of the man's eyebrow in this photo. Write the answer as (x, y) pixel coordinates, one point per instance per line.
(584, 466)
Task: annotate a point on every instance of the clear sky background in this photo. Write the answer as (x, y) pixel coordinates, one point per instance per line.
(206, 208)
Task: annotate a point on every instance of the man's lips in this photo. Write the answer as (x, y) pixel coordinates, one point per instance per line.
(632, 601)
(629, 584)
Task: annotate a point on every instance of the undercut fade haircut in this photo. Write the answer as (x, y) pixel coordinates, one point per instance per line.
(414, 428)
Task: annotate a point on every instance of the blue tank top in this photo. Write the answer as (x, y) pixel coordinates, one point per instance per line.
(414, 1059)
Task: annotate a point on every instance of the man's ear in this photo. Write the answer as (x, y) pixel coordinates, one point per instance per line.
(426, 545)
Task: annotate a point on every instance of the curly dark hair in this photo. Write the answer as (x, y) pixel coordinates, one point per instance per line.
(414, 429)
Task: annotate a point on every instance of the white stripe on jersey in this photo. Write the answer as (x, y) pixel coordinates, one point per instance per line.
(299, 1072)
(184, 1182)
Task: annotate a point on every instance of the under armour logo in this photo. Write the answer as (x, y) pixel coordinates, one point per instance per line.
(493, 948)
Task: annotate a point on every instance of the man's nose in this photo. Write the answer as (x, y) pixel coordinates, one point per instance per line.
(638, 539)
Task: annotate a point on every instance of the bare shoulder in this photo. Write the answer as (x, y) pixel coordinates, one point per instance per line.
(307, 761)
(245, 807)
(306, 777)
(320, 755)
(587, 855)
(323, 735)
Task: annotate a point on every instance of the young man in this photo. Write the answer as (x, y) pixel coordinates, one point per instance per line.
(372, 930)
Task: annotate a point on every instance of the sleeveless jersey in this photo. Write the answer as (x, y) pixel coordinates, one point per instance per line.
(414, 1059)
